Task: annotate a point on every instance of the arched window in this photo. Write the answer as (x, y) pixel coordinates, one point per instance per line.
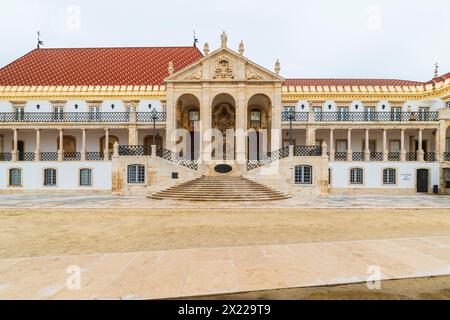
(303, 174)
(136, 173)
(15, 177)
(85, 177)
(50, 177)
(356, 176)
(389, 176)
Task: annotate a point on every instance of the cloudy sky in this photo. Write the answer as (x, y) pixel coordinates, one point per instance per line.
(322, 38)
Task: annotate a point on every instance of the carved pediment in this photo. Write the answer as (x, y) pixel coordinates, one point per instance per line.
(196, 75)
(224, 69)
(253, 75)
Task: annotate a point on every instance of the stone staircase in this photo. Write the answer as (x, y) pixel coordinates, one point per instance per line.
(220, 188)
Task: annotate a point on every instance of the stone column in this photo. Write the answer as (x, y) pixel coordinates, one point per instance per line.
(14, 152)
(170, 117)
(349, 145)
(83, 145)
(106, 151)
(310, 136)
(331, 144)
(205, 124)
(61, 145)
(402, 145)
(37, 151)
(437, 146)
(420, 152)
(241, 125)
(275, 136)
(132, 129)
(367, 149)
(385, 150)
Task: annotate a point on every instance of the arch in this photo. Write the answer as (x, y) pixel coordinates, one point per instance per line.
(223, 119)
(112, 140)
(69, 144)
(259, 136)
(186, 104)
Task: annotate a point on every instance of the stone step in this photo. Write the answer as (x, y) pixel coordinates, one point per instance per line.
(220, 188)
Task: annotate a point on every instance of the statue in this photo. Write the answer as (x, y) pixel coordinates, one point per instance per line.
(224, 39)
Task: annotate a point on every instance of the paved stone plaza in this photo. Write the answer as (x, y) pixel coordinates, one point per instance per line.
(159, 274)
(331, 201)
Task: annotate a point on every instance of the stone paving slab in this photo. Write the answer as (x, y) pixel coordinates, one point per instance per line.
(101, 201)
(194, 272)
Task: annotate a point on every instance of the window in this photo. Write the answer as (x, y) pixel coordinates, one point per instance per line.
(255, 115)
(85, 177)
(389, 176)
(50, 177)
(424, 113)
(194, 115)
(356, 176)
(58, 113)
(136, 173)
(448, 104)
(94, 113)
(19, 113)
(394, 146)
(303, 175)
(396, 114)
(369, 114)
(318, 113)
(288, 109)
(15, 177)
(343, 114)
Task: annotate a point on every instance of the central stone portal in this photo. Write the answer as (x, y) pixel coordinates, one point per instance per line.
(224, 124)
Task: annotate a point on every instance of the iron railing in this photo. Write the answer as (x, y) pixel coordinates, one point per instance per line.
(5, 156)
(95, 156)
(358, 156)
(49, 156)
(26, 156)
(307, 151)
(151, 116)
(176, 158)
(102, 117)
(296, 116)
(429, 156)
(72, 156)
(411, 156)
(394, 156)
(143, 150)
(361, 116)
(376, 156)
(446, 156)
(340, 156)
(271, 157)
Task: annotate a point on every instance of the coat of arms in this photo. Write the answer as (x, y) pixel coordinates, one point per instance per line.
(223, 69)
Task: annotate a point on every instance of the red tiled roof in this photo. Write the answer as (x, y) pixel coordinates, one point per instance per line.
(96, 66)
(351, 82)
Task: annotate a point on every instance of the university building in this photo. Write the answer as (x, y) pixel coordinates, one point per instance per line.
(180, 123)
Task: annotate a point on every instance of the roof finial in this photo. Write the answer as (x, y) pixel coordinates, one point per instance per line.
(436, 69)
(241, 48)
(206, 49)
(224, 39)
(39, 41)
(277, 67)
(170, 68)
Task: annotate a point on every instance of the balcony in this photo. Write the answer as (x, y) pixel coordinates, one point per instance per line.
(447, 156)
(86, 117)
(360, 116)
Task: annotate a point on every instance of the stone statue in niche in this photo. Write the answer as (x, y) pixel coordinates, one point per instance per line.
(224, 69)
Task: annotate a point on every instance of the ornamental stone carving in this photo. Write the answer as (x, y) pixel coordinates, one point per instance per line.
(224, 69)
(194, 76)
(251, 75)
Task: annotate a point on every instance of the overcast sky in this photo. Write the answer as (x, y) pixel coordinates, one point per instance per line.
(322, 38)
